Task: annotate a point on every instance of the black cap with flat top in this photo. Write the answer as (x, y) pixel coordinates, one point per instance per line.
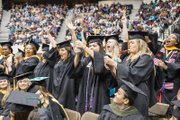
(115, 37)
(98, 39)
(2, 43)
(23, 98)
(64, 44)
(24, 75)
(33, 43)
(4, 76)
(137, 35)
(131, 90)
(7, 43)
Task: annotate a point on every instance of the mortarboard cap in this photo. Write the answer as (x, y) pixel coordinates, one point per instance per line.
(131, 90)
(6, 43)
(4, 76)
(159, 109)
(32, 42)
(21, 51)
(45, 47)
(115, 37)
(137, 35)
(38, 79)
(176, 111)
(23, 98)
(23, 75)
(64, 44)
(98, 39)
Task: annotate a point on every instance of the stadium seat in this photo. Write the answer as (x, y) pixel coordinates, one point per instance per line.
(89, 116)
(73, 115)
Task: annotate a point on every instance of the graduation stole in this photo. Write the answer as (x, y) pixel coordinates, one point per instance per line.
(168, 54)
(122, 112)
(25, 58)
(5, 57)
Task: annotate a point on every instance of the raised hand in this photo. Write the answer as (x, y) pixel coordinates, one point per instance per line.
(70, 25)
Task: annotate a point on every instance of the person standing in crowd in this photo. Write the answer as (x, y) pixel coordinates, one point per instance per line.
(112, 47)
(137, 68)
(122, 107)
(167, 61)
(5, 90)
(45, 67)
(6, 59)
(30, 60)
(93, 89)
(63, 85)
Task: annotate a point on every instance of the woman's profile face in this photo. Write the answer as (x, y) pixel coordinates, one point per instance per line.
(41, 97)
(23, 84)
(133, 46)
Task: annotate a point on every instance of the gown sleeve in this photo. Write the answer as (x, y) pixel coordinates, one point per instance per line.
(173, 68)
(98, 63)
(135, 72)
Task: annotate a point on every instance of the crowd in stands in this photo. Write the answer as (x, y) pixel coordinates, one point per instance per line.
(156, 16)
(93, 64)
(101, 19)
(34, 21)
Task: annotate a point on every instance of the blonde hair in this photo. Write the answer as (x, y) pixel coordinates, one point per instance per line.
(6, 95)
(116, 49)
(143, 49)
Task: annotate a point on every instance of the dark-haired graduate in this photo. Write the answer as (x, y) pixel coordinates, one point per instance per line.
(30, 59)
(122, 106)
(63, 86)
(167, 61)
(49, 57)
(93, 88)
(7, 57)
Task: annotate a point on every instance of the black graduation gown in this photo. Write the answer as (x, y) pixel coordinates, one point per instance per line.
(107, 114)
(45, 69)
(171, 75)
(93, 89)
(53, 112)
(63, 85)
(139, 72)
(27, 65)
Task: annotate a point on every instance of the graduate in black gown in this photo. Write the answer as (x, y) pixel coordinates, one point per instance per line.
(93, 88)
(137, 68)
(45, 67)
(63, 85)
(167, 61)
(30, 60)
(122, 107)
(5, 90)
(6, 59)
(49, 108)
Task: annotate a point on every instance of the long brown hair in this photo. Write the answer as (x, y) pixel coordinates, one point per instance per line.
(8, 91)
